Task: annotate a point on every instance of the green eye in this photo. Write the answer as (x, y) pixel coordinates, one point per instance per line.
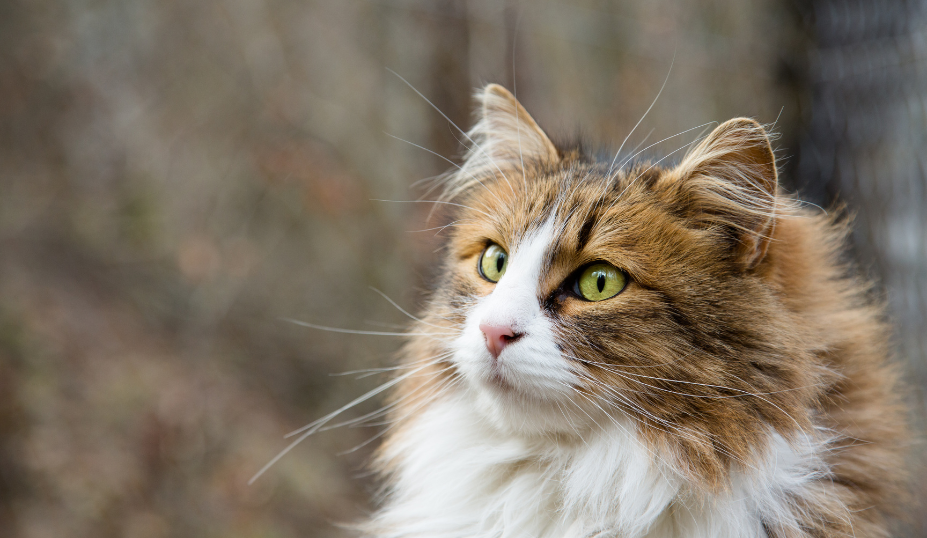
(600, 281)
(493, 263)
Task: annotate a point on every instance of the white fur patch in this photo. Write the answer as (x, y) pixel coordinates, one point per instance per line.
(460, 477)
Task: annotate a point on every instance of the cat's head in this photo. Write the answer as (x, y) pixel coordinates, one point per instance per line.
(586, 292)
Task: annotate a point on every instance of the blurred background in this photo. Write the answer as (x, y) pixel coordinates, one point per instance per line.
(176, 177)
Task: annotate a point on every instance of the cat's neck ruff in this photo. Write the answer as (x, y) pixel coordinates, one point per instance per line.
(459, 475)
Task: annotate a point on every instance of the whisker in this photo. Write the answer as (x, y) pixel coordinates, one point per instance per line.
(354, 331)
(433, 395)
(631, 157)
(459, 222)
(420, 94)
(668, 427)
(432, 202)
(316, 424)
(649, 168)
(429, 360)
(384, 410)
(435, 153)
(642, 142)
(672, 62)
(616, 369)
(759, 396)
(312, 427)
(401, 309)
(628, 433)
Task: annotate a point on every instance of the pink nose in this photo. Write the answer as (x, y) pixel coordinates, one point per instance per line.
(497, 337)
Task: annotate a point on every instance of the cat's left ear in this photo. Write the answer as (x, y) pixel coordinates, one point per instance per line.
(730, 179)
(504, 140)
(508, 133)
(505, 137)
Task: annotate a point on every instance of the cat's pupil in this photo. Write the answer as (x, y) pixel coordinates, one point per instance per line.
(600, 282)
(500, 261)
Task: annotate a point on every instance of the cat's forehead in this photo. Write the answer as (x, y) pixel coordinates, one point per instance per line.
(577, 202)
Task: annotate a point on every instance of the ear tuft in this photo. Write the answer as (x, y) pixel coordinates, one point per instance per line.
(510, 133)
(504, 139)
(730, 178)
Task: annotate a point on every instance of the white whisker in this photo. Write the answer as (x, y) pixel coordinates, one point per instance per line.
(443, 115)
(435, 153)
(401, 309)
(354, 331)
(314, 426)
(432, 202)
(673, 61)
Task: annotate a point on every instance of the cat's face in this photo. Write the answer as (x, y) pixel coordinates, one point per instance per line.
(581, 292)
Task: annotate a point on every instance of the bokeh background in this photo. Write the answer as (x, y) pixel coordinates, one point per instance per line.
(176, 177)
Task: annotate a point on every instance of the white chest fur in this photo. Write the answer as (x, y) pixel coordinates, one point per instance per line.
(457, 476)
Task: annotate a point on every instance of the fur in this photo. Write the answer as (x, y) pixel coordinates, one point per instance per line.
(738, 386)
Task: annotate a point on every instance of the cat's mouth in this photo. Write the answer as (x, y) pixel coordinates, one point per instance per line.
(496, 377)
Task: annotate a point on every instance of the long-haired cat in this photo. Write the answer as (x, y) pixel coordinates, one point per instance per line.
(631, 350)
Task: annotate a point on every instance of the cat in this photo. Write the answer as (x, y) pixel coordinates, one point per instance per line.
(623, 349)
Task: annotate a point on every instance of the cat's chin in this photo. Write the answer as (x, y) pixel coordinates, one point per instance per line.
(525, 391)
(496, 381)
(512, 410)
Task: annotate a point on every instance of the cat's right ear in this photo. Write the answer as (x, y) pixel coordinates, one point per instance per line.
(730, 179)
(504, 139)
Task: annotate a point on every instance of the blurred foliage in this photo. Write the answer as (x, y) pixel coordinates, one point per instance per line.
(179, 176)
